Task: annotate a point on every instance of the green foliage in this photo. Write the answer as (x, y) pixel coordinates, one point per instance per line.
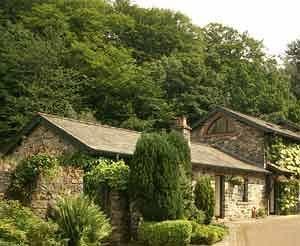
(81, 222)
(114, 175)
(24, 177)
(78, 159)
(141, 68)
(285, 155)
(166, 233)
(204, 197)
(207, 234)
(261, 213)
(155, 178)
(287, 196)
(197, 215)
(19, 226)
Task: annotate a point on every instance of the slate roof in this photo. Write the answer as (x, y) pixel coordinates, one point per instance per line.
(254, 122)
(98, 138)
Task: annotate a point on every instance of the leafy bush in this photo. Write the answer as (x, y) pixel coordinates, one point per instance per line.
(113, 174)
(197, 216)
(287, 197)
(155, 180)
(26, 173)
(81, 222)
(19, 226)
(166, 233)
(205, 197)
(207, 234)
(80, 160)
(261, 213)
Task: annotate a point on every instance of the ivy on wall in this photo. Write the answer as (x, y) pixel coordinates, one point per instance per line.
(285, 154)
(287, 196)
(25, 176)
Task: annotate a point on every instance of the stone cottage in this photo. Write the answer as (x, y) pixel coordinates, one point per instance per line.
(227, 145)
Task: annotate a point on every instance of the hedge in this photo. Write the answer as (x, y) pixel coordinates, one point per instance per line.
(207, 234)
(166, 233)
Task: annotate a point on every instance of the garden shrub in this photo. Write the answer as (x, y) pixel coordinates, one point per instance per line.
(197, 215)
(155, 180)
(26, 173)
(166, 233)
(81, 222)
(19, 226)
(80, 160)
(261, 213)
(207, 234)
(205, 197)
(287, 196)
(114, 175)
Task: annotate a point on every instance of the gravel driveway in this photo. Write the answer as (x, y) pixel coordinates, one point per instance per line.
(272, 231)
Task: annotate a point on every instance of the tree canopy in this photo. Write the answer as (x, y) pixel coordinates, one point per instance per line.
(128, 66)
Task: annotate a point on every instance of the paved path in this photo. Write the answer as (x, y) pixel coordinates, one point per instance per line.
(272, 231)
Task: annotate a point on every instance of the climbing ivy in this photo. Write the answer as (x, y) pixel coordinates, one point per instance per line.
(24, 177)
(288, 196)
(285, 154)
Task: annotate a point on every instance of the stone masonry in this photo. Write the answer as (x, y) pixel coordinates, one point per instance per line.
(245, 142)
(234, 207)
(42, 140)
(65, 181)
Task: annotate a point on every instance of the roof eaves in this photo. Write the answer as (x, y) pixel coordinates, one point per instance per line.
(224, 167)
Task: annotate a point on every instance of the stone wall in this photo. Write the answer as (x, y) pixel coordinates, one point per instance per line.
(245, 142)
(233, 205)
(65, 181)
(42, 140)
(119, 217)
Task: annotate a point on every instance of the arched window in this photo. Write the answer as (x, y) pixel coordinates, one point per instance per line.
(220, 126)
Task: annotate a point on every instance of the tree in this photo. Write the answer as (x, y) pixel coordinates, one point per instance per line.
(204, 197)
(155, 178)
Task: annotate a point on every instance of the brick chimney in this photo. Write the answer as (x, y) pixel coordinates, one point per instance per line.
(182, 127)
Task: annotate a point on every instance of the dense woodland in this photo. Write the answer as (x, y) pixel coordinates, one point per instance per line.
(128, 66)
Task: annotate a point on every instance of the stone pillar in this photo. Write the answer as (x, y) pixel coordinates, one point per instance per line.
(119, 217)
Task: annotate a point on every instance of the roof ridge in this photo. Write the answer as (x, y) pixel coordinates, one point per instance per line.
(86, 122)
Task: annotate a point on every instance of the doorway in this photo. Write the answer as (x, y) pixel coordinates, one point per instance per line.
(219, 196)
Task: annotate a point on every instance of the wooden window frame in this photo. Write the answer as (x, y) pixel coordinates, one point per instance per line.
(225, 133)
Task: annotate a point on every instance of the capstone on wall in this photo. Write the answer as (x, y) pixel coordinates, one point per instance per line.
(246, 142)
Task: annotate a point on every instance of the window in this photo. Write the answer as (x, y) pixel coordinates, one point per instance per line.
(220, 125)
(245, 190)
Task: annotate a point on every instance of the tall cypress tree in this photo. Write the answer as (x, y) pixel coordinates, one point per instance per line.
(156, 178)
